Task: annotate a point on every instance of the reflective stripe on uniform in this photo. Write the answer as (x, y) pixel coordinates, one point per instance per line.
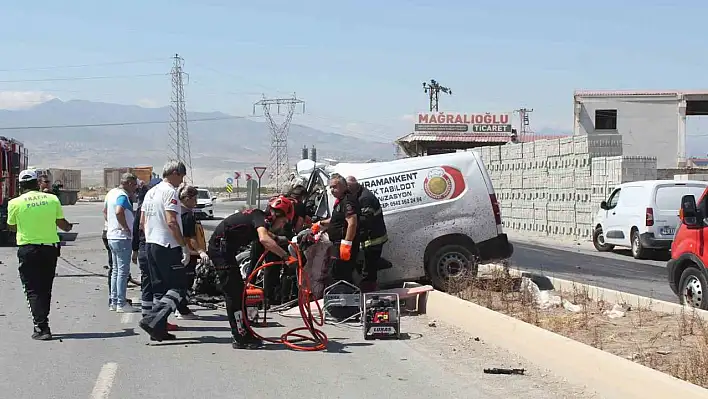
(376, 241)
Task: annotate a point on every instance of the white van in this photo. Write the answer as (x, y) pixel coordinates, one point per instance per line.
(441, 212)
(642, 215)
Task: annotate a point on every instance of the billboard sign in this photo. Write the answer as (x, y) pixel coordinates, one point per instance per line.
(486, 123)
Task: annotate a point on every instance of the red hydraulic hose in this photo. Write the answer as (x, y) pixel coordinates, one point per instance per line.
(317, 337)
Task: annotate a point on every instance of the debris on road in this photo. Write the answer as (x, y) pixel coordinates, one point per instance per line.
(504, 371)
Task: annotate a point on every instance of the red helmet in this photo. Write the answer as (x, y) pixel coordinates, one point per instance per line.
(282, 204)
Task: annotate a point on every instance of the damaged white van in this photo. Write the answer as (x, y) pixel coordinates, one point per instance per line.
(442, 215)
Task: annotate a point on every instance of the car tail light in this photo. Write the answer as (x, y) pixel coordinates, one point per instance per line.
(495, 208)
(650, 217)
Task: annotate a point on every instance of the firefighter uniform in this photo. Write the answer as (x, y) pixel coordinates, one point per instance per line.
(34, 215)
(372, 233)
(337, 231)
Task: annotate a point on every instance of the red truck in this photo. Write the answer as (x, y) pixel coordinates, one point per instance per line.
(13, 159)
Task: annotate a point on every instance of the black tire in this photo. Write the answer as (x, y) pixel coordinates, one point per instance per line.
(692, 286)
(638, 251)
(598, 241)
(451, 254)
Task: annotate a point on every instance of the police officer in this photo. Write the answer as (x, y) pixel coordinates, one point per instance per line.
(35, 216)
(342, 228)
(372, 233)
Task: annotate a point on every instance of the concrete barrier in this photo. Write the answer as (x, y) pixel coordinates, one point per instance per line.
(608, 375)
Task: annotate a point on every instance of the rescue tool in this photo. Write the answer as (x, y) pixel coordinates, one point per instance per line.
(381, 316)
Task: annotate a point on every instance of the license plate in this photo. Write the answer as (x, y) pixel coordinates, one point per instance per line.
(668, 231)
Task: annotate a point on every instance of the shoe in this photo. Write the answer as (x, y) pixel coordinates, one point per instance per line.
(187, 316)
(43, 334)
(165, 337)
(126, 309)
(172, 327)
(154, 335)
(112, 308)
(247, 342)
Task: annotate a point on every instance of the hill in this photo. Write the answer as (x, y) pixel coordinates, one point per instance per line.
(219, 146)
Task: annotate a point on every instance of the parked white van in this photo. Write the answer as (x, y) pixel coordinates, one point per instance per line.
(442, 215)
(642, 215)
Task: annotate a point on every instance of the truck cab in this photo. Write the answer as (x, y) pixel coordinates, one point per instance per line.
(13, 159)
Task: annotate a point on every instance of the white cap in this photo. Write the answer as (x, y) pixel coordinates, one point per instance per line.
(28, 175)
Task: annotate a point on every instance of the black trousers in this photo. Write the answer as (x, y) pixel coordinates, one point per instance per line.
(169, 283)
(183, 307)
(372, 259)
(110, 258)
(229, 282)
(146, 295)
(38, 265)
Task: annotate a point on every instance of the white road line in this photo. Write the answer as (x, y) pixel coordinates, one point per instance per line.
(127, 318)
(104, 382)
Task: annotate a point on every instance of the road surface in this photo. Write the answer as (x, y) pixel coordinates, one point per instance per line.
(616, 270)
(102, 354)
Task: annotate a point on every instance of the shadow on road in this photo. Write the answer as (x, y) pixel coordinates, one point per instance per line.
(127, 332)
(663, 256)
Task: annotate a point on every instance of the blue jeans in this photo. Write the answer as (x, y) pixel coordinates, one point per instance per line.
(121, 251)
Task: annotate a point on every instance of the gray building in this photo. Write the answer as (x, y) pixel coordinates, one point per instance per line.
(651, 123)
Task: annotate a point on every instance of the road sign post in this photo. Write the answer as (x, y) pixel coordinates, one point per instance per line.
(259, 172)
(229, 187)
(237, 177)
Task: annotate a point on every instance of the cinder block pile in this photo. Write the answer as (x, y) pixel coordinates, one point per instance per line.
(554, 187)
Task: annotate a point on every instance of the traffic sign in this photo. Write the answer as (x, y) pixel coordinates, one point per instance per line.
(259, 170)
(229, 188)
(229, 180)
(237, 175)
(248, 176)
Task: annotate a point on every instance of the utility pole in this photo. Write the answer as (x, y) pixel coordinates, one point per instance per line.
(178, 132)
(524, 122)
(279, 165)
(433, 90)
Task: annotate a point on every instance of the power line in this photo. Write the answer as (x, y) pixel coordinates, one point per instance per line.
(129, 123)
(433, 90)
(82, 78)
(178, 110)
(84, 65)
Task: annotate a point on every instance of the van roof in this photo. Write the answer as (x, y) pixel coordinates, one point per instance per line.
(658, 182)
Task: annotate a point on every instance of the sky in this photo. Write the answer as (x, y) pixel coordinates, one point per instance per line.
(359, 66)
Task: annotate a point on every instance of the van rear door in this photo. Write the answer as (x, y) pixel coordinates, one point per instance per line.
(496, 209)
(667, 201)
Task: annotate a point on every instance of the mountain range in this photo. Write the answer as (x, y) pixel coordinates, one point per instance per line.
(56, 135)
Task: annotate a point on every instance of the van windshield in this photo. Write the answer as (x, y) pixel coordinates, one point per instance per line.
(204, 194)
(668, 198)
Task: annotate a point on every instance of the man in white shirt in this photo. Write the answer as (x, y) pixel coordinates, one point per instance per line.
(167, 251)
(118, 209)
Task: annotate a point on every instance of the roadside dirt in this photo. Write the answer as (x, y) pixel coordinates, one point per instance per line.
(676, 344)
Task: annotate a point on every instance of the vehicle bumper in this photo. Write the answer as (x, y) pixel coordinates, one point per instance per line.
(497, 248)
(649, 241)
(204, 212)
(671, 271)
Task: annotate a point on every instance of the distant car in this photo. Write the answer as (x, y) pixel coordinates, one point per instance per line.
(642, 215)
(205, 204)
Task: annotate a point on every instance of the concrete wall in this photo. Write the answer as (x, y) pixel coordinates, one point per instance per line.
(554, 187)
(649, 126)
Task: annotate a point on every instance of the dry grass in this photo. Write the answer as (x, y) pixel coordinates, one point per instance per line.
(676, 344)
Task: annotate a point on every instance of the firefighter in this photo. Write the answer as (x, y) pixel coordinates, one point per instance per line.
(232, 234)
(35, 216)
(372, 233)
(342, 228)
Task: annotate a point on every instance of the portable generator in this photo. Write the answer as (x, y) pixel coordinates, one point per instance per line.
(342, 301)
(381, 316)
(255, 297)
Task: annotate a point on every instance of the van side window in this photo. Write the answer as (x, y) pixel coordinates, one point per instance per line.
(614, 199)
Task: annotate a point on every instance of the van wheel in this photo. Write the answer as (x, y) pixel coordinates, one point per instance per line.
(598, 240)
(638, 251)
(692, 286)
(451, 262)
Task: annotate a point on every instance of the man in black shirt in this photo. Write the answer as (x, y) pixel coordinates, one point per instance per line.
(342, 228)
(372, 233)
(234, 233)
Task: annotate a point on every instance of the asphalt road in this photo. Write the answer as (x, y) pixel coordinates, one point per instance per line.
(616, 270)
(101, 354)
